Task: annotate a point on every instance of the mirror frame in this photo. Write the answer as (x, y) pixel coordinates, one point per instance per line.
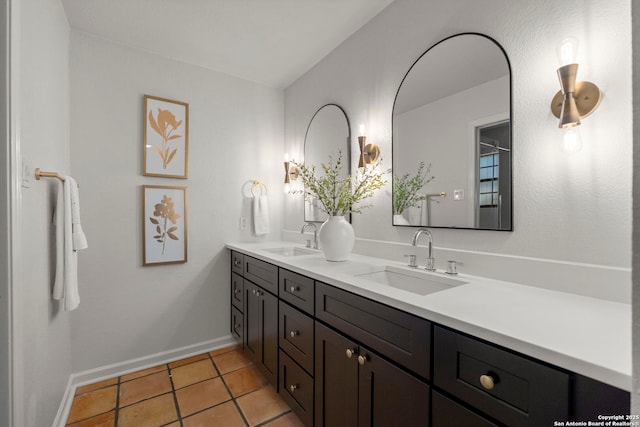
(346, 153)
(393, 146)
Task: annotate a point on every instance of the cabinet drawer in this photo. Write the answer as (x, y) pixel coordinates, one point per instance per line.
(237, 262)
(296, 335)
(447, 413)
(237, 326)
(399, 336)
(237, 291)
(297, 290)
(296, 388)
(515, 390)
(261, 273)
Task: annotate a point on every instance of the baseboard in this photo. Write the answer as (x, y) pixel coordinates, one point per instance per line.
(121, 368)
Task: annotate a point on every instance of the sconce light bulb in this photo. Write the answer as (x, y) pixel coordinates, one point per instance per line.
(571, 142)
(567, 51)
(286, 157)
(287, 188)
(361, 130)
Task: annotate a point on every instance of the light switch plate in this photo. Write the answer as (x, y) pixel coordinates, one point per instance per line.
(458, 194)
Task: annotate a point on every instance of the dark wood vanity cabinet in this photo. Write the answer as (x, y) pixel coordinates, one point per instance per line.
(254, 311)
(340, 359)
(355, 386)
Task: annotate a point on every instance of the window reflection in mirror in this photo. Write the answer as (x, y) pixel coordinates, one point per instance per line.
(327, 135)
(453, 112)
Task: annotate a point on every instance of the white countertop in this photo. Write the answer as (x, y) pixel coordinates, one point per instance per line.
(585, 335)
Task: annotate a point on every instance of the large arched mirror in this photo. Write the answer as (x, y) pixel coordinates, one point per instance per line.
(328, 135)
(452, 137)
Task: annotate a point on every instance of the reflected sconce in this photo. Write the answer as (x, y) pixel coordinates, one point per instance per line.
(575, 100)
(369, 153)
(290, 171)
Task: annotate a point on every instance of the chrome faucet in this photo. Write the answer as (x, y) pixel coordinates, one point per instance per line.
(431, 262)
(315, 235)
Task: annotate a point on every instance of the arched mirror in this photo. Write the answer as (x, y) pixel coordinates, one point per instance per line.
(328, 135)
(452, 137)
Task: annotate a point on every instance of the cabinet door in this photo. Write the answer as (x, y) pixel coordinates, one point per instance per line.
(336, 379)
(388, 396)
(261, 330)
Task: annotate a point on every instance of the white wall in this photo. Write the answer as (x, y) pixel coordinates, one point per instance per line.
(235, 136)
(635, 395)
(574, 211)
(43, 100)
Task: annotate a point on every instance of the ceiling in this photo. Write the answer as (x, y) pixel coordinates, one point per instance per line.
(272, 42)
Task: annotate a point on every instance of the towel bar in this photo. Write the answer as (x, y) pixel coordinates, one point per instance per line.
(42, 174)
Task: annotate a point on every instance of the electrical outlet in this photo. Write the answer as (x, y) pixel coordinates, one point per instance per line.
(458, 194)
(243, 223)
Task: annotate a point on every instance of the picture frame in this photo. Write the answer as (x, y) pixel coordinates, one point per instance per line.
(164, 225)
(166, 138)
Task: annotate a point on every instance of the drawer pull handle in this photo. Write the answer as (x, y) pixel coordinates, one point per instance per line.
(350, 352)
(487, 381)
(295, 288)
(362, 360)
(293, 387)
(294, 334)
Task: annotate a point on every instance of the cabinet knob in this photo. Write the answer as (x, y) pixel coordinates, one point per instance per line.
(237, 326)
(350, 352)
(487, 381)
(294, 334)
(362, 360)
(293, 387)
(295, 289)
(236, 291)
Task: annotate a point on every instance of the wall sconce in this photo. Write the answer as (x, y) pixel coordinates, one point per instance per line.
(290, 171)
(369, 153)
(575, 100)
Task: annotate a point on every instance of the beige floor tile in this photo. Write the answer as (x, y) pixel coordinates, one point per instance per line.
(93, 403)
(202, 395)
(189, 360)
(226, 415)
(261, 405)
(192, 373)
(95, 386)
(144, 387)
(142, 373)
(231, 361)
(288, 420)
(104, 420)
(245, 380)
(158, 411)
(223, 350)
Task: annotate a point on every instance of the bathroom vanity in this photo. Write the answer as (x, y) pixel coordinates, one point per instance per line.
(372, 342)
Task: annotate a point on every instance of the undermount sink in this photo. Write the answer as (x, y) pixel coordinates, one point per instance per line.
(291, 251)
(415, 281)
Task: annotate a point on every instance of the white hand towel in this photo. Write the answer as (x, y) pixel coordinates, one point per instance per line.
(66, 279)
(79, 238)
(260, 215)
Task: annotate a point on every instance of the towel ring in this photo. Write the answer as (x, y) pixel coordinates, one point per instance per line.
(263, 188)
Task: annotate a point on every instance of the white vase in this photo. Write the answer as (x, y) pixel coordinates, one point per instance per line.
(336, 238)
(400, 220)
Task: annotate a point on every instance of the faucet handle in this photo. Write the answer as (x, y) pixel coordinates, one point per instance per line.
(308, 245)
(452, 267)
(412, 260)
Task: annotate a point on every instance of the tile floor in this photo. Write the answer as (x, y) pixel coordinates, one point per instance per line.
(219, 388)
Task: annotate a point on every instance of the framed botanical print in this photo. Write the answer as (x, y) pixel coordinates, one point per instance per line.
(164, 225)
(166, 137)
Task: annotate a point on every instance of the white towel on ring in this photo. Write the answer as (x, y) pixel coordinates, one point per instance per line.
(260, 215)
